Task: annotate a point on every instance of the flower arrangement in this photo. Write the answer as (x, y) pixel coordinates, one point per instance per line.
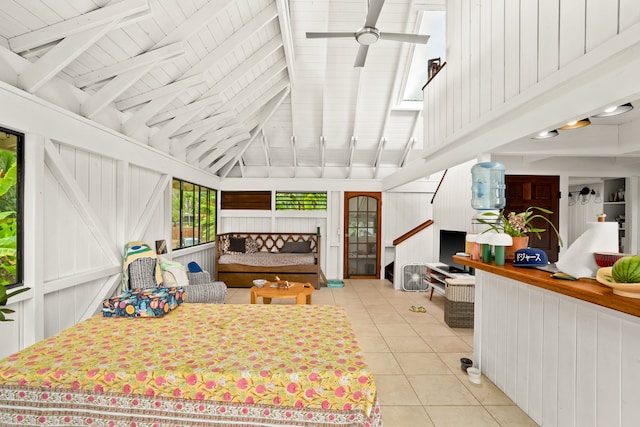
(518, 224)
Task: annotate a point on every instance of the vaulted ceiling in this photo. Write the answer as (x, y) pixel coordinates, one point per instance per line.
(231, 86)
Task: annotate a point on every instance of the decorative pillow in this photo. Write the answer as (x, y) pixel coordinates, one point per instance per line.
(302, 247)
(149, 302)
(142, 273)
(236, 245)
(224, 244)
(173, 273)
(251, 246)
(194, 267)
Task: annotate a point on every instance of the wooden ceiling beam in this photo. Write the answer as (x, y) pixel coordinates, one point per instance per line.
(376, 164)
(211, 101)
(255, 86)
(267, 154)
(216, 121)
(150, 57)
(226, 47)
(176, 86)
(98, 18)
(284, 19)
(273, 106)
(221, 148)
(211, 139)
(407, 148)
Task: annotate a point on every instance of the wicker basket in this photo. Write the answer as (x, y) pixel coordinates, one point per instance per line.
(458, 303)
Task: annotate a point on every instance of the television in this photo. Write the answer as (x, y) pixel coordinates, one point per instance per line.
(452, 242)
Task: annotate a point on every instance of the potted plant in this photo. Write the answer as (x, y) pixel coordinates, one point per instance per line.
(4, 297)
(518, 225)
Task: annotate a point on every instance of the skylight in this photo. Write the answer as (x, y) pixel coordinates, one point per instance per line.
(432, 23)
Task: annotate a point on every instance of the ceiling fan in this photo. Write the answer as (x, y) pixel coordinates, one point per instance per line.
(369, 34)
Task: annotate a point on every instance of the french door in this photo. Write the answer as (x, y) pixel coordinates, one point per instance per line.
(362, 235)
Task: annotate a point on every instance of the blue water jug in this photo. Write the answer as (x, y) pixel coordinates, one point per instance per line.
(488, 187)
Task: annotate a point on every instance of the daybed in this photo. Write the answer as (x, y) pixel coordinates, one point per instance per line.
(258, 365)
(242, 257)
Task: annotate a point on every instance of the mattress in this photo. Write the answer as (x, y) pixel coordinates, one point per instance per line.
(295, 365)
(268, 259)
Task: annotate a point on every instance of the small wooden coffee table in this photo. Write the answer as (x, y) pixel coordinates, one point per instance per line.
(300, 291)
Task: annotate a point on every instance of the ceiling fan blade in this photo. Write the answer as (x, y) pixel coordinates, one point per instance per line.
(329, 35)
(373, 12)
(405, 37)
(362, 55)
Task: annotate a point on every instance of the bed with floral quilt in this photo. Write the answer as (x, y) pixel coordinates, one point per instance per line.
(199, 365)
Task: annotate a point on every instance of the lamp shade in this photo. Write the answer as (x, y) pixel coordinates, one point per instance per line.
(501, 239)
(485, 238)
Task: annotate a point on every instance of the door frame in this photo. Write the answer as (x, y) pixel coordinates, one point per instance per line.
(345, 232)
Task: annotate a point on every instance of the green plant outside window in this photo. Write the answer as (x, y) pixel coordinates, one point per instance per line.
(301, 201)
(193, 214)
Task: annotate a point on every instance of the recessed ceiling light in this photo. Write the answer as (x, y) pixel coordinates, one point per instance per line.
(576, 124)
(546, 134)
(614, 111)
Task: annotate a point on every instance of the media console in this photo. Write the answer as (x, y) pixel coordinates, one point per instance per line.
(438, 272)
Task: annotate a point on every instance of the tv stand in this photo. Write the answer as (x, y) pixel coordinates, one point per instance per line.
(437, 273)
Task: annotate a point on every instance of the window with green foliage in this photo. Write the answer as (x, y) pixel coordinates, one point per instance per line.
(301, 201)
(193, 214)
(10, 207)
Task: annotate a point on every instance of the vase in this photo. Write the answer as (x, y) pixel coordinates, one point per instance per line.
(518, 243)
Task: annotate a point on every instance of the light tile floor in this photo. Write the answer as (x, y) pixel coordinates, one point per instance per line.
(415, 358)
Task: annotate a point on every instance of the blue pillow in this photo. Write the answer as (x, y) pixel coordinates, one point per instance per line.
(194, 267)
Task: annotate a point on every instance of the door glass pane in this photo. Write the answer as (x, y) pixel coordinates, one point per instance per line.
(362, 236)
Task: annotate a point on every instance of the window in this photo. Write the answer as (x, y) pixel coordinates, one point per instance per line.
(193, 214)
(11, 181)
(301, 201)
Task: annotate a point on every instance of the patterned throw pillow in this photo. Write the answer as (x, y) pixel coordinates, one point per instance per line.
(250, 246)
(224, 244)
(236, 245)
(142, 273)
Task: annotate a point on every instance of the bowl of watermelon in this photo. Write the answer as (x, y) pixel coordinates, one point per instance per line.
(623, 277)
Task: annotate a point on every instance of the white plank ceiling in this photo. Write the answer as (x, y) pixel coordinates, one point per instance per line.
(231, 86)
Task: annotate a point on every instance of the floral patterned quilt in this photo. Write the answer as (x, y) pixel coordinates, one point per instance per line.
(200, 364)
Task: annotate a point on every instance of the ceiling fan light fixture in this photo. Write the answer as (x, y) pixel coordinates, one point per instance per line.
(546, 134)
(615, 110)
(367, 35)
(576, 124)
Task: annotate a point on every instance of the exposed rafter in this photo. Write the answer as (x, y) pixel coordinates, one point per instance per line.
(294, 154)
(352, 148)
(323, 153)
(170, 88)
(149, 57)
(267, 154)
(407, 147)
(222, 147)
(211, 101)
(215, 121)
(284, 19)
(271, 109)
(226, 47)
(105, 16)
(376, 165)
(194, 154)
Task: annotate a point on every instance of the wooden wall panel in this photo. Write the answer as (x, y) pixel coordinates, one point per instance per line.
(548, 42)
(511, 49)
(629, 13)
(563, 361)
(497, 52)
(629, 350)
(572, 29)
(528, 43)
(485, 50)
(601, 22)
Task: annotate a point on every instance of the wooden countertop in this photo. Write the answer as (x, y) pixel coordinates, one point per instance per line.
(585, 289)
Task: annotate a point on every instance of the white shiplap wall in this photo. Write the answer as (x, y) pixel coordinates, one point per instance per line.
(98, 189)
(502, 55)
(565, 362)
